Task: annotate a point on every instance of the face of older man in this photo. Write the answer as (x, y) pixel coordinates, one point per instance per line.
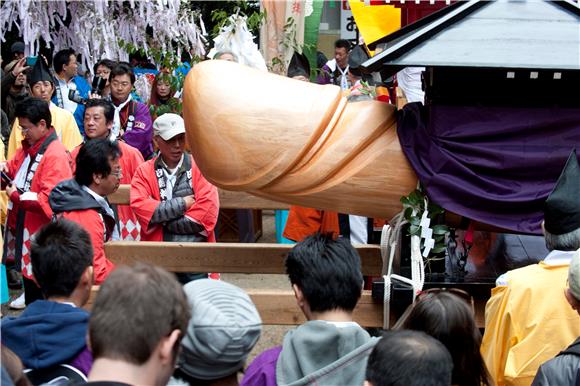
(95, 123)
(172, 149)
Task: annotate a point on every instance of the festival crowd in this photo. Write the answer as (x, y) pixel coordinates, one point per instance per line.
(68, 144)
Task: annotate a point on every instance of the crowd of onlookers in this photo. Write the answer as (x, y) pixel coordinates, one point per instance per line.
(70, 145)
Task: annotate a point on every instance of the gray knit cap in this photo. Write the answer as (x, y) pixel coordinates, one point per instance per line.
(223, 329)
(574, 275)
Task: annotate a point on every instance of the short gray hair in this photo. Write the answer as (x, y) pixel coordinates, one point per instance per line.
(566, 242)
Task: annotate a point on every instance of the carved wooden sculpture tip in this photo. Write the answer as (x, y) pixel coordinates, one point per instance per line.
(294, 141)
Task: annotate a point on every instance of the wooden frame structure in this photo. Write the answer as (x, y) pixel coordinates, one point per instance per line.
(228, 200)
(276, 307)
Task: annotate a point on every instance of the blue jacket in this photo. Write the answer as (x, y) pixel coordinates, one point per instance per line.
(83, 87)
(46, 333)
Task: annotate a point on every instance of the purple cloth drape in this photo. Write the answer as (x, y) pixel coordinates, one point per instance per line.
(496, 165)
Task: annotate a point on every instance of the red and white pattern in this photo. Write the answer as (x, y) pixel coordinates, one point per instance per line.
(130, 230)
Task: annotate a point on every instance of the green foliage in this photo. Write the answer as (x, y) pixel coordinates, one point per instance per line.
(250, 9)
(172, 106)
(163, 59)
(414, 207)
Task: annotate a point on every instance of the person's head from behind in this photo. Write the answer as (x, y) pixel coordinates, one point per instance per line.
(563, 242)
(325, 275)
(97, 166)
(573, 291)
(226, 55)
(408, 358)
(341, 50)
(62, 261)
(138, 319)
(17, 50)
(14, 368)
(224, 327)
(121, 79)
(65, 63)
(34, 119)
(449, 318)
(561, 224)
(98, 119)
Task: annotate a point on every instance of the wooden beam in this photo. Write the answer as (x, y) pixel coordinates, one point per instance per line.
(243, 200)
(278, 307)
(221, 257)
(228, 200)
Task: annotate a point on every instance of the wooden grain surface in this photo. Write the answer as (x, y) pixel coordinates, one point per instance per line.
(221, 257)
(278, 307)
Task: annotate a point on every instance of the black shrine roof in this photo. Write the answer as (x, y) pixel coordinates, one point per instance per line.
(531, 34)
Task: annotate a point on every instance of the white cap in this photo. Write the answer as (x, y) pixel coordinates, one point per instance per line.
(168, 126)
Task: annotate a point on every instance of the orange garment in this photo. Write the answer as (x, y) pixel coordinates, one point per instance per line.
(131, 159)
(53, 168)
(303, 222)
(92, 221)
(145, 198)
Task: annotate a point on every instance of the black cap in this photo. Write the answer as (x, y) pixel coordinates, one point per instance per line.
(357, 56)
(17, 47)
(39, 72)
(562, 207)
(298, 66)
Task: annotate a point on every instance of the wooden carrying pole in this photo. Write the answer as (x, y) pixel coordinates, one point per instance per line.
(275, 306)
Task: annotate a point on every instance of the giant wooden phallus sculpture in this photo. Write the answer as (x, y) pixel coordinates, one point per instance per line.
(293, 141)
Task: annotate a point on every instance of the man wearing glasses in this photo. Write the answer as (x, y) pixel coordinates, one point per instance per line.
(83, 198)
(99, 115)
(30, 175)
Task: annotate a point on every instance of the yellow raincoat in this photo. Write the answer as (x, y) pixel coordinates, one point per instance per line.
(527, 322)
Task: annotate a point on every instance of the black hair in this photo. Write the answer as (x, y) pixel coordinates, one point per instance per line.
(110, 64)
(122, 68)
(108, 109)
(409, 358)
(449, 319)
(93, 158)
(60, 252)
(62, 58)
(342, 43)
(34, 109)
(327, 272)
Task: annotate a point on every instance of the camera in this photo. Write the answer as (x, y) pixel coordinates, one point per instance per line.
(98, 85)
(76, 97)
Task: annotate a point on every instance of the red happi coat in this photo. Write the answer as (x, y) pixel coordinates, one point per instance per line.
(92, 221)
(131, 159)
(145, 198)
(54, 167)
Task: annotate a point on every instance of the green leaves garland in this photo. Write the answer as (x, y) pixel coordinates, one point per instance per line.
(415, 202)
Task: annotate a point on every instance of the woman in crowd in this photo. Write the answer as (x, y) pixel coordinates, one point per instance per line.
(449, 317)
(102, 69)
(162, 98)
